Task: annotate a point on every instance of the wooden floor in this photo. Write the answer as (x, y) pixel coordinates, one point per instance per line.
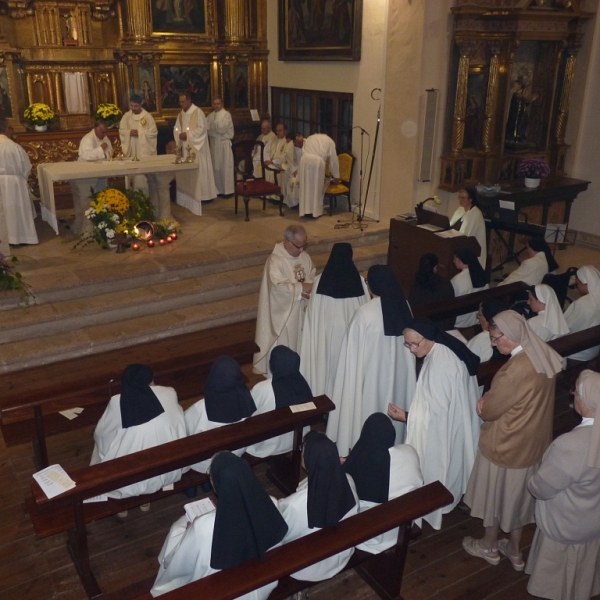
(124, 551)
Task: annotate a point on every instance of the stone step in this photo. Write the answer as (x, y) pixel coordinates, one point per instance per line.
(72, 317)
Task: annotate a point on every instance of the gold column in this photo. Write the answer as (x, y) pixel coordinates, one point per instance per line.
(236, 16)
(491, 99)
(460, 102)
(565, 95)
(139, 19)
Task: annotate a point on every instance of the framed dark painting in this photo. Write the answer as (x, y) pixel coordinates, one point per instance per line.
(176, 79)
(320, 30)
(147, 87)
(179, 16)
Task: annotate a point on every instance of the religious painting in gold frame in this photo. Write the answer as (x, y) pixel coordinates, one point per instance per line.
(177, 79)
(147, 87)
(320, 30)
(180, 17)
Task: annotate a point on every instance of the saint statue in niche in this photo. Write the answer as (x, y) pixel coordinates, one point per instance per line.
(518, 112)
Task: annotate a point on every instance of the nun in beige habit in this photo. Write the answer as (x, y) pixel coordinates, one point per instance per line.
(564, 561)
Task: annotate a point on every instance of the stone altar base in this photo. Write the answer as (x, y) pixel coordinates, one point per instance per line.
(90, 300)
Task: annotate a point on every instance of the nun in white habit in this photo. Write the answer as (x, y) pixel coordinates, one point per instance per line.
(375, 368)
(472, 278)
(381, 472)
(226, 400)
(285, 387)
(549, 322)
(533, 269)
(142, 416)
(443, 426)
(324, 499)
(468, 219)
(585, 311)
(245, 525)
(340, 290)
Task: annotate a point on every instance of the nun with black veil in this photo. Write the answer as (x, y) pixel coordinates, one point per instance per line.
(142, 416)
(285, 387)
(470, 279)
(337, 293)
(374, 368)
(245, 525)
(381, 471)
(323, 499)
(443, 426)
(226, 400)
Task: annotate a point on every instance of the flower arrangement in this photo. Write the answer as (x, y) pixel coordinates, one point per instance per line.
(533, 168)
(13, 280)
(109, 113)
(113, 211)
(38, 114)
(165, 227)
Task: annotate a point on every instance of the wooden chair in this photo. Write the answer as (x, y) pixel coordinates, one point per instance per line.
(334, 190)
(247, 184)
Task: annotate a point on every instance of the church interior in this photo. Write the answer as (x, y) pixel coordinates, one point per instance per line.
(430, 96)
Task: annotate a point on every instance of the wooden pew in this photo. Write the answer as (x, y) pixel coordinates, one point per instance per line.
(68, 511)
(463, 305)
(32, 415)
(383, 572)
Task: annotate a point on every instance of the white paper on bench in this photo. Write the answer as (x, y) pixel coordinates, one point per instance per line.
(71, 413)
(100, 498)
(302, 407)
(198, 508)
(54, 480)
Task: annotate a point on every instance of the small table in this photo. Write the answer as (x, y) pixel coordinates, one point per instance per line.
(83, 175)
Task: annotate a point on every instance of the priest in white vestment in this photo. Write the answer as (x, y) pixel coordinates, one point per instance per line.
(284, 291)
(245, 525)
(468, 219)
(142, 416)
(375, 368)
(533, 269)
(337, 293)
(267, 135)
(443, 426)
(318, 151)
(17, 226)
(381, 471)
(549, 322)
(93, 147)
(220, 132)
(470, 279)
(138, 134)
(279, 155)
(190, 130)
(585, 311)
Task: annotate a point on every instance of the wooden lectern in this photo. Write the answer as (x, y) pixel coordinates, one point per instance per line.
(409, 242)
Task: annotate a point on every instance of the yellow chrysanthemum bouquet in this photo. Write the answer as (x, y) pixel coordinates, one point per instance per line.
(108, 112)
(38, 114)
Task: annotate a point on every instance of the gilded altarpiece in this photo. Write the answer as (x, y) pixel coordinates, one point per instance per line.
(106, 50)
(510, 85)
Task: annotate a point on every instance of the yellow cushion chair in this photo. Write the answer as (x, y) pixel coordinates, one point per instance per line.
(334, 190)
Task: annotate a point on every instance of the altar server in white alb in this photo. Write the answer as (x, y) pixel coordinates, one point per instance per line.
(375, 368)
(585, 311)
(16, 224)
(468, 219)
(549, 322)
(337, 293)
(443, 426)
(245, 525)
(266, 136)
(472, 278)
(323, 499)
(318, 151)
(142, 416)
(190, 130)
(220, 132)
(285, 289)
(286, 387)
(381, 471)
(138, 134)
(533, 269)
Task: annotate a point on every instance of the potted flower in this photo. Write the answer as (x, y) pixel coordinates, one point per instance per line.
(533, 169)
(39, 115)
(108, 112)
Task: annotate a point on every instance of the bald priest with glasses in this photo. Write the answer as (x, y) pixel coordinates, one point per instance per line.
(284, 292)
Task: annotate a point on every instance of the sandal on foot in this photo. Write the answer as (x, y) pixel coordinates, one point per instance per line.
(122, 514)
(145, 507)
(516, 561)
(474, 548)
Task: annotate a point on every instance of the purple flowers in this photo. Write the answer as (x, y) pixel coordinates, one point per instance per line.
(533, 168)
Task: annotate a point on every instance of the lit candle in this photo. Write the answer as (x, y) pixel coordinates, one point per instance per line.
(169, 239)
(135, 246)
(150, 243)
(161, 242)
(173, 236)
